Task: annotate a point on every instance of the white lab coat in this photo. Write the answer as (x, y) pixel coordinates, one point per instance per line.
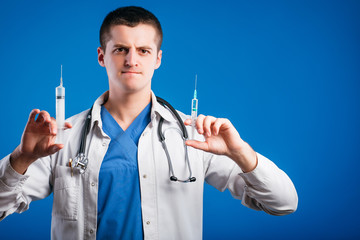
(170, 210)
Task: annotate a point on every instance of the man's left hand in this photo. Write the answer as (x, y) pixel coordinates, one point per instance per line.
(222, 138)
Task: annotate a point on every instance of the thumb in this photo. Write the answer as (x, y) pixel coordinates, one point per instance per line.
(198, 145)
(54, 148)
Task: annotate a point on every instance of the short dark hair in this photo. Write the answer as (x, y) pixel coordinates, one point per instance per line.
(129, 16)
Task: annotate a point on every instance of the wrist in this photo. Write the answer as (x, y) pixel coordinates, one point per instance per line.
(245, 157)
(19, 161)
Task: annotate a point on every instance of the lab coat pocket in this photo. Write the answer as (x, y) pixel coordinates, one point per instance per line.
(66, 194)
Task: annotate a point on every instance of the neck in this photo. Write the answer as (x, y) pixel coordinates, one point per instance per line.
(125, 107)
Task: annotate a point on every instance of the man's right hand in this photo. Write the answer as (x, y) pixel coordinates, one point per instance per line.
(38, 140)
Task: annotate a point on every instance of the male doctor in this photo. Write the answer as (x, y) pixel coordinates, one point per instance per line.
(125, 192)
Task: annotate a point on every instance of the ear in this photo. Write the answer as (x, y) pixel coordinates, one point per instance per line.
(158, 59)
(101, 55)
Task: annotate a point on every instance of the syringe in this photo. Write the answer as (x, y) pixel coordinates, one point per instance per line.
(60, 110)
(194, 108)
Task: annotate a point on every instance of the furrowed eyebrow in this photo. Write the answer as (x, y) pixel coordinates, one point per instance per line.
(145, 47)
(120, 46)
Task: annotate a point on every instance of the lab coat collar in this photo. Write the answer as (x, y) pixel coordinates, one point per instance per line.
(96, 109)
(159, 109)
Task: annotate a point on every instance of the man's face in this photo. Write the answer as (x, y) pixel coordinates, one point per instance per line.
(130, 58)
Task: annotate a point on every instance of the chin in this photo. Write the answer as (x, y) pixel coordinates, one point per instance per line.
(134, 89)
(132, 84)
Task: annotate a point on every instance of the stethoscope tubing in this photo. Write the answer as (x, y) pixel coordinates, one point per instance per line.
(81, 161)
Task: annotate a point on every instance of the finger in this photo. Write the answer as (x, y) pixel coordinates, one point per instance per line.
(198, 145)
(67, 125)
(207, 125)
(44, 116)
(187, 121)
(200, 123)
(217, 125)
(33, 114)
(53, 126)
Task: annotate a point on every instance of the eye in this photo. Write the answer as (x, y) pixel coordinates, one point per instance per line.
(144, 52)
(120, 50)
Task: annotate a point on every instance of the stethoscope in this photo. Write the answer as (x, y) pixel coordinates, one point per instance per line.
(81, 161)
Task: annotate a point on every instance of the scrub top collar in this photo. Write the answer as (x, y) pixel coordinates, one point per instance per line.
(156, 109)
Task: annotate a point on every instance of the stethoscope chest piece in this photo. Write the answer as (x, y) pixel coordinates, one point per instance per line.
(80, 162)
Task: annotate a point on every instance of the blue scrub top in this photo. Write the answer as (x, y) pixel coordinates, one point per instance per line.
(119, 200)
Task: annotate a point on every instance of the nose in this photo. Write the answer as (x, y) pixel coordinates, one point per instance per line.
(131, 58)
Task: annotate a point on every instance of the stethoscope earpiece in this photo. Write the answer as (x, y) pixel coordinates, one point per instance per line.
(192, 179)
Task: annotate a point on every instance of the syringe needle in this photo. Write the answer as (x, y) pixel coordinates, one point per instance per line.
(61, 80)
(195, 81)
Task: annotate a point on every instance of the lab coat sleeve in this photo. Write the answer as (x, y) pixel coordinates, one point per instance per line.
(266, 188)
(17, 190)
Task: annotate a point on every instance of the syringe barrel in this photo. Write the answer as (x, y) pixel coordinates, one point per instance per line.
(194, 109)
(60, 107)
(60, 92)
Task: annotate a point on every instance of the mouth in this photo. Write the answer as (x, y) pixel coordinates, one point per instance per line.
(130, 72)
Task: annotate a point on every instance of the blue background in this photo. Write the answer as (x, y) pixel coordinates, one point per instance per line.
(286, 73)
